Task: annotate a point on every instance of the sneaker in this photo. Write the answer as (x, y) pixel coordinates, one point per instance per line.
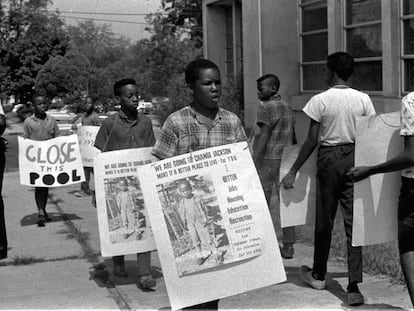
(41, 221)
(307, 277)
(287, 251)
(146, 281)
(354, 296)
(119, 271)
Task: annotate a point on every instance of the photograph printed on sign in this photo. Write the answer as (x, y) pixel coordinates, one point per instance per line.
(194, 222)
(125, 210)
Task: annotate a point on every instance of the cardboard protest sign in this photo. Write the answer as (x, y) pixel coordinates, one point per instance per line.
(124, 226)
(376, 198)
(297, 205)
(211, 223)
(86, 137)
(50, 163)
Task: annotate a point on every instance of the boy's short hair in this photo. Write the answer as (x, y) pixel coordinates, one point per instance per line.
(123, 182)
(192, 70)
(121, 83)
(341, 63)
(273, 78)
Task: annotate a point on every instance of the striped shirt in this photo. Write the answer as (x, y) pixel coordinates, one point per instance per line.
(183, 132)
(279, 117)
(407, 125)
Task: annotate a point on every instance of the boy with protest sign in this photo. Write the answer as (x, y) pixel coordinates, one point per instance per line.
(405, 162)
(276, 121)
(202, 124)
(40, 126)
(333, 116)
(123, 130)
(88, 118)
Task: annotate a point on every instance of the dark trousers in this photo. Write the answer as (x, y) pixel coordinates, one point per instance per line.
(41, 194)
(335, 187)
(143, 261)
(85, 184)
(3, 234)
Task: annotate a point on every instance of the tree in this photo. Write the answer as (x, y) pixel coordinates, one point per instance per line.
(29, 37)
(98, 43)
(64, 76)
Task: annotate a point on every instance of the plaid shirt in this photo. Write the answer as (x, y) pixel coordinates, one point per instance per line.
(407, 125)
(278, 116)
(182, 133)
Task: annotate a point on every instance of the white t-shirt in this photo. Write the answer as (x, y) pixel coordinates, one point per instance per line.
(407, 125)
(1, 110)
(336, 110)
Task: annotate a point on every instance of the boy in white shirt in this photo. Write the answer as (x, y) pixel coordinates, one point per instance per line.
(333, 116)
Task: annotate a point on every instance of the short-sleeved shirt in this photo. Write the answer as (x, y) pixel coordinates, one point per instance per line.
(407, 125)
(118, 132)
(183, 132)
(279, 117)
(336, 109)
(92, 119)
(40, 129)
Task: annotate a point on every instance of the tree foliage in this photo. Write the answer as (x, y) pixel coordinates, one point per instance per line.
(64, 76)
(29, 37)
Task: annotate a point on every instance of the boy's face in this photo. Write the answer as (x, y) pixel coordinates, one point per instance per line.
(186, 190)
(207, 88)
(128, 98)
(39, 104)
(265, 90)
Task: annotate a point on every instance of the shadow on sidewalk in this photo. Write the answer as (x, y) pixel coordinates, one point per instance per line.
(336, 289)
(32, 219)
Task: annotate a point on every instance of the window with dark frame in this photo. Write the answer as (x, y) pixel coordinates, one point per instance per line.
(407, 51)
(313, 43)
(363, 40)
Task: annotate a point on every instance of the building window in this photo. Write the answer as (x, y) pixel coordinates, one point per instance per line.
(408, 45)
(313, 44)
(363, 40)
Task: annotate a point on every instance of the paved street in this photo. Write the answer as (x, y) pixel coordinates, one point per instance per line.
(59, 266)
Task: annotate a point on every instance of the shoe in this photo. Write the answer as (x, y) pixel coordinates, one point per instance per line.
(287, 251)
(3, 252)
(146, 281)
(354, 296)
(307, 277)
(119, 271)
(41, 221)
(126, 236)
(47, 218)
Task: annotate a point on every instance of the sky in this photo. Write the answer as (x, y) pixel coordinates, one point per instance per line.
(134, 32)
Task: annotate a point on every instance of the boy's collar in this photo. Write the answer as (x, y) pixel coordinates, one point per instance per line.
(195, 113)
(124, 116)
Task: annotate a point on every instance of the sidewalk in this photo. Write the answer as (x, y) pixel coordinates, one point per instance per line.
(59, 267)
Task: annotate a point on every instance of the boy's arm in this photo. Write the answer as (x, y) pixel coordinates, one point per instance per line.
(403, 160)
(307, 149)
(260, 145)
(166, 145)
(102, 136)
(26, 129)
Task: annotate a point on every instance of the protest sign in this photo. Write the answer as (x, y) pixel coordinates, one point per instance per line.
(211, 223)
(124, 226)
(86, 137)
(297, 205)
(376, 198)
(50, 163)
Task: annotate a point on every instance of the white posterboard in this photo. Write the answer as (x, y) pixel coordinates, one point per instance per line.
(50, 163)
(86, 137)
(376, 198)
(297, 205)
(123, 221)
(238, 247)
